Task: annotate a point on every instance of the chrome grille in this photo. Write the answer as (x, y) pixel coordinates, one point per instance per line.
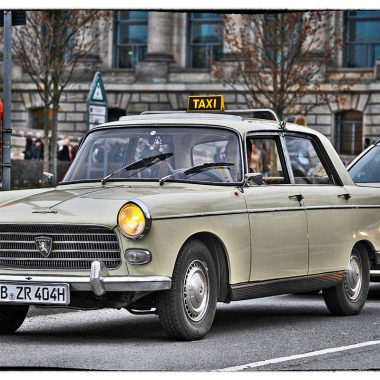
(74, 247)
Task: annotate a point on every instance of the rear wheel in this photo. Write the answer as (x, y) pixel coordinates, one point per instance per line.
(348, 298)
(187, 310)
(12, 317)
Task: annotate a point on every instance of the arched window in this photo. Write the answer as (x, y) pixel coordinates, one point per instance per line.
(131, 38)
(362, 35)
(349, 132)
(205, 39)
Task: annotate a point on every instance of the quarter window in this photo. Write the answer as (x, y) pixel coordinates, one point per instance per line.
(131, 38)
(306, 163)
(205, 39)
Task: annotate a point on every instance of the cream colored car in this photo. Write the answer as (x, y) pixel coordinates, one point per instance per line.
(172, 213)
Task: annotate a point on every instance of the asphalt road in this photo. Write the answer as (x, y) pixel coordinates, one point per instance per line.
(279, 333)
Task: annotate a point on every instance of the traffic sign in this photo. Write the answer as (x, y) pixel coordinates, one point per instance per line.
(97, 105)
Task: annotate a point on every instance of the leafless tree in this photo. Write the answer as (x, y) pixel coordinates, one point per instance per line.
(50, 48)
(278, 57)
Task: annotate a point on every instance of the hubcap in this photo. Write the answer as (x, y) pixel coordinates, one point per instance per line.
(353, 281)
(196, 290)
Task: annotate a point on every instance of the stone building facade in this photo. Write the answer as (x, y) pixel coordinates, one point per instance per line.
(154, 60)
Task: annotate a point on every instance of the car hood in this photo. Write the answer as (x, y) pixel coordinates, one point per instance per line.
(84, 204)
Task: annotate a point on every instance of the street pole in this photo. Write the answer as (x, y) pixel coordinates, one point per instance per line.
(7, 94)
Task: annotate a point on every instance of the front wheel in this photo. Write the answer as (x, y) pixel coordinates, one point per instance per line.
(12, 317)
(348, 298)
(187, 310)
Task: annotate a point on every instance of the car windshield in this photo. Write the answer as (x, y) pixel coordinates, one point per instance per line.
(107, 150)
(367, 169)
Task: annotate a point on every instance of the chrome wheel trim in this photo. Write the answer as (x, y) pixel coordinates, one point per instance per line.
(353, 279)
(196, 290)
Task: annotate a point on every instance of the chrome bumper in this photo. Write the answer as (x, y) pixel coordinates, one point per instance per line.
(99, 281)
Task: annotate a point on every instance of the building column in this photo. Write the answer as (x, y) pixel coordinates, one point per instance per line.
(160, 45)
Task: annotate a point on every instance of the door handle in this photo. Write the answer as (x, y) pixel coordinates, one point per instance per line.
(297, 197)
(346, 196)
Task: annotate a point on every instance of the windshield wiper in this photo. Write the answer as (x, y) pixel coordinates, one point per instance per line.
(196, 169)
(139, 164)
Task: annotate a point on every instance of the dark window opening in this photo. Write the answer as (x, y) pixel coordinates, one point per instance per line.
(114, 114)
(349, 132)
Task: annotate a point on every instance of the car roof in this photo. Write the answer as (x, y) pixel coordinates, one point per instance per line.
(238, 123)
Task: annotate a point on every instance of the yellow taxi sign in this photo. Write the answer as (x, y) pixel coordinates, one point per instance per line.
(207, 103)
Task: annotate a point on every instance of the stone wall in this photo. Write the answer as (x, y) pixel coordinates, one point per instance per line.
(163, 82)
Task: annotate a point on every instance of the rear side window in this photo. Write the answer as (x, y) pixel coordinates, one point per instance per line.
(306, 162)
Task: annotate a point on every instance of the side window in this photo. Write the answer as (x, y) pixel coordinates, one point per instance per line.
(307, 165)
(263, 157)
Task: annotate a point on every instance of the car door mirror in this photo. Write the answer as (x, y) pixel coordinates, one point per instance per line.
(256, 178)
(47, 178)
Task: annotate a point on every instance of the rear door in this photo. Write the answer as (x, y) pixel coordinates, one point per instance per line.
(329, 213)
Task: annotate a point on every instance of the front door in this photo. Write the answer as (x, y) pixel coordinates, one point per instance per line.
(279, 245)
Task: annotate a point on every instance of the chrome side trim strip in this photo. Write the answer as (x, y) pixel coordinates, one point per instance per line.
(375, 272)
(201, 214)
(265, 210)
(280, 209)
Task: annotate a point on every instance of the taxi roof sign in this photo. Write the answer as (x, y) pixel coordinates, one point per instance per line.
(206, 103)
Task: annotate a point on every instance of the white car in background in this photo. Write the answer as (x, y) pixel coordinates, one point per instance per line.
(365, 171)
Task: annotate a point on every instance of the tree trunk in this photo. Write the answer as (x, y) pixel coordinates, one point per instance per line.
(46, 137)
(53, 142)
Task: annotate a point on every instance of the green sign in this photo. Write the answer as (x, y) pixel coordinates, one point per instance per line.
(97, 106)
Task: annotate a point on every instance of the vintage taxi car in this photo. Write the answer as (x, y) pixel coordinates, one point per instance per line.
(170, 213)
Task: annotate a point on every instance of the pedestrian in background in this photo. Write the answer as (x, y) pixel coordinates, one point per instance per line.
(30, 151)
(64, 153)
(39, 149)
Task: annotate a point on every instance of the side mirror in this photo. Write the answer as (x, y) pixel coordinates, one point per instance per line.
(47, 178)
(256, 178)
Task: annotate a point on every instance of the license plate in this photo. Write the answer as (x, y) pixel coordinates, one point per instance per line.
(46, 294)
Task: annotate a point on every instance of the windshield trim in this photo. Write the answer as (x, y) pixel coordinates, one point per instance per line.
(164, 125)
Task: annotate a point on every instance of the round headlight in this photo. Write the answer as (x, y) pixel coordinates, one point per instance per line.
(133, 221)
